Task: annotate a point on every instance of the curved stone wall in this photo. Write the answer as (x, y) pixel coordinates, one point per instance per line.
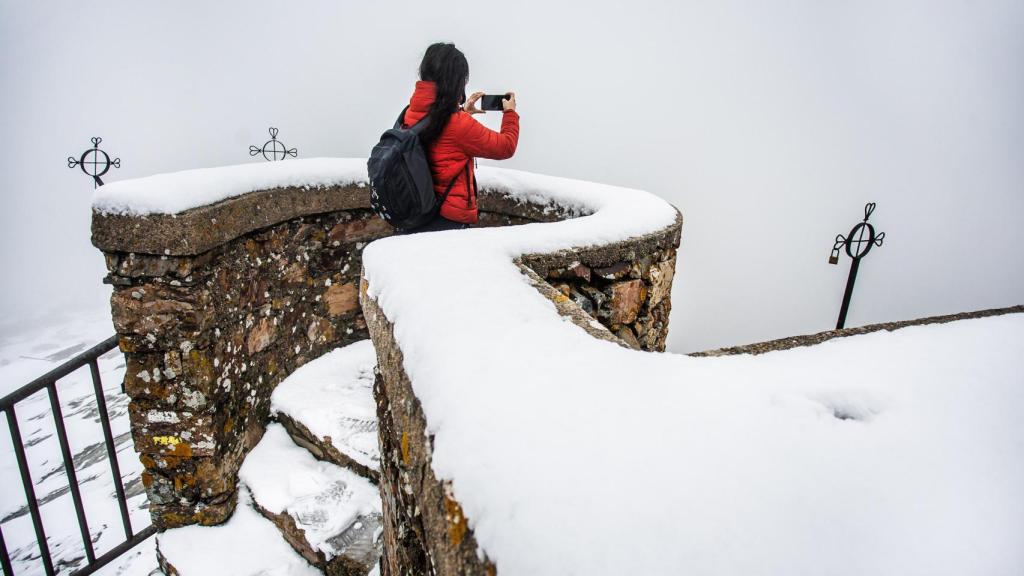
(215, 305)
(623, 284)
(214, 308)
(426, 530)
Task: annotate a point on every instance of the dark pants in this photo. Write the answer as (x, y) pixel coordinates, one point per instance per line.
(436, 225)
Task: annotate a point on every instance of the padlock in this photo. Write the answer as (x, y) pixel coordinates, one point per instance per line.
(834, 258)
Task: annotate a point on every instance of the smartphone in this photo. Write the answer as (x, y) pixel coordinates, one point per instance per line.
(491, 101)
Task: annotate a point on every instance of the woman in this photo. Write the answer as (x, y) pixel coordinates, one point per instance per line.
(453, 138)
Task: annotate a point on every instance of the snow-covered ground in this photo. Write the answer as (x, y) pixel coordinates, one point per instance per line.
(888, 453)
(337, 510)
(37, 351)
(32, 353)
(246, 545)
(333, 398)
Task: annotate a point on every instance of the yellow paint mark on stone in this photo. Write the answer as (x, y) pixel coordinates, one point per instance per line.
(166, 440)
(560, 298)
(405, 448)
(178, 448)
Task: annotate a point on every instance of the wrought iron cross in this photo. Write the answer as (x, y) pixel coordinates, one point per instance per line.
(862, 237)
(273, 149)
(94, 162)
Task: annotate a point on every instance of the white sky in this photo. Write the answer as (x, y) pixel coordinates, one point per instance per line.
(768, 124)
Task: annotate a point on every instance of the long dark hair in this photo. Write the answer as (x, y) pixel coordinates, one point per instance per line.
(446, 66)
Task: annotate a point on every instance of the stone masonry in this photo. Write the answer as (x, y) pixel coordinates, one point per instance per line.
(217, 305)
(626, 286)
(207, 337)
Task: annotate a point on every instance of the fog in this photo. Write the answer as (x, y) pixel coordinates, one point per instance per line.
(769, 124)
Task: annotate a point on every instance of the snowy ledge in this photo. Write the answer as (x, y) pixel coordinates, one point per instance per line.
(515, 441)
(189, 212)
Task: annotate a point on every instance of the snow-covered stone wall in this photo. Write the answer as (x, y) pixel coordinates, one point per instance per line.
(521, 431)
(208, 336)
(610, 283)
(519, 436)
(226, 280)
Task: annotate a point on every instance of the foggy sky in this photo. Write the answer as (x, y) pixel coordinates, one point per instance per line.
(769, 124)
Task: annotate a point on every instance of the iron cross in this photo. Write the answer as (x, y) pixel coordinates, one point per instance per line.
(94, 162)
(858, 243)
(273, 149)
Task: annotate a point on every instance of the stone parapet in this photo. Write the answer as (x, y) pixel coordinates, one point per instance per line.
(208, 336)
(619, 292)
(425, 531)
(818, 338)
(216, 305)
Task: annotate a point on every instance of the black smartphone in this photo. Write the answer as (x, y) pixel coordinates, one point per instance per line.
(491, 101)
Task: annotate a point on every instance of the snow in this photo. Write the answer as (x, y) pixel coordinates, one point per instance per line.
(246, 545)
(333, 397)
(38, 349)
(889, 453)
(35, 351)
(139, 561)
(324, 499)
(176, 192)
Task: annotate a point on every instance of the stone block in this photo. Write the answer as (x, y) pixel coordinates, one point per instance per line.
(262, 335)
(167, 432)
(627, 336)
(573, 271)
(155, 311)
(661, 275)
(341, 298)
(362, 230)
(626, 299)
(613, 272)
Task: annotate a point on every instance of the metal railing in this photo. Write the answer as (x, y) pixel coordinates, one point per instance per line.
(49, 382)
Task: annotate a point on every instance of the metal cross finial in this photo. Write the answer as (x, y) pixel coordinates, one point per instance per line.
(94, 162)
(858, 243)
(273, 149)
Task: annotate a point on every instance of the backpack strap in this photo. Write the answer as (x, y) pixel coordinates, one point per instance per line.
(417, 127)
(451, 184)
(476, 189)
(401, 118)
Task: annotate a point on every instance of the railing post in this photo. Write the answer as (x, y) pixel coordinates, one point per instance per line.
(69, 470)
(49, 382)
(30, 492)
(108, 437)
(5, 557)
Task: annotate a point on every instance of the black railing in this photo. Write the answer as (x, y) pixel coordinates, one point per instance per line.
(49, 382)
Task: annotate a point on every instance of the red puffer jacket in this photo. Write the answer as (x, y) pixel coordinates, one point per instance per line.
(462, 140)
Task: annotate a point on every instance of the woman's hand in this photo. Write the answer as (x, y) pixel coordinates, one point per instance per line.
(470, 105)
(508, 102)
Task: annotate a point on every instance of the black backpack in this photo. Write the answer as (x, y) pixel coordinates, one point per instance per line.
(401, 186)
